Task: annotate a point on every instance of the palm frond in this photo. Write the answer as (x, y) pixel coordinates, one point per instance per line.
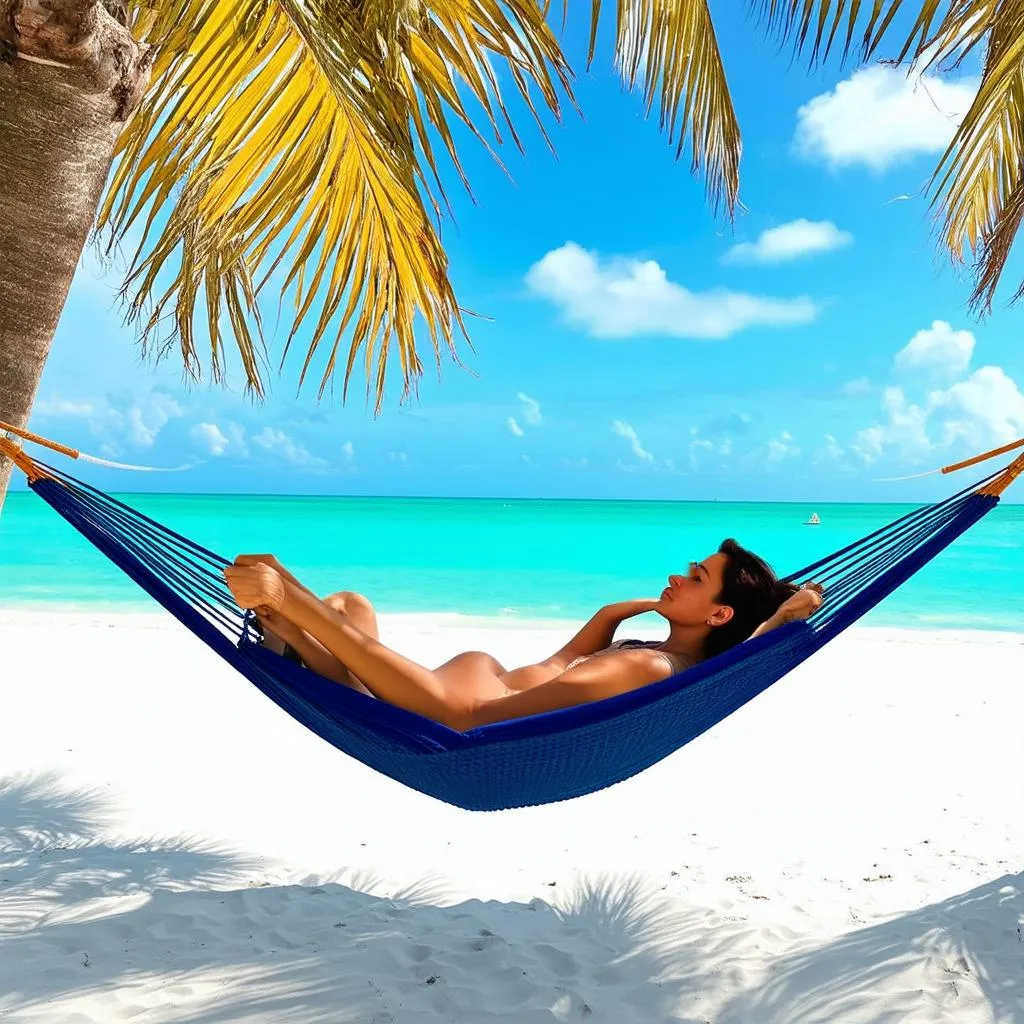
(979, 185)
(814, 26)
(671, 48)
(288, 141)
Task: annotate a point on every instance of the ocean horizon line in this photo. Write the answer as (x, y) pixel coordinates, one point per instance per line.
(824, 502)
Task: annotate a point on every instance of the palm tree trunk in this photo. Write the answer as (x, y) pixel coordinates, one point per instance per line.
(70, 74)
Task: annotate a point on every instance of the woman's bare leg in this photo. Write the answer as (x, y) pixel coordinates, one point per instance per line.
(388, 675)
(471, 669)
(358, 610)
(464, 670)
(357, 607)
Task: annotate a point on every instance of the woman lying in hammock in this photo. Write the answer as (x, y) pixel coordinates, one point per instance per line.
(729, 597)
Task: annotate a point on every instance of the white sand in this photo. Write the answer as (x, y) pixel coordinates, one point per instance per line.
(847, 848)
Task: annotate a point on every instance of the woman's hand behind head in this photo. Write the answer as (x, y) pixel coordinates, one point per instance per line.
(801, 605)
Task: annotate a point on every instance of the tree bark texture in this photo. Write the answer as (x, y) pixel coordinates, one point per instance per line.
(70, 75)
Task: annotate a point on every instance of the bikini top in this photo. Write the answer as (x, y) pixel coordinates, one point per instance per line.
(678, 662)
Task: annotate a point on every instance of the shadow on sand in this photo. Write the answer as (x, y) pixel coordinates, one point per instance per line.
(970, 947)
(177, 930)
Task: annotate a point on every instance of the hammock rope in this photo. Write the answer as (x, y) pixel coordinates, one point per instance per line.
(845, 577)
(533, 760)
(74, 453)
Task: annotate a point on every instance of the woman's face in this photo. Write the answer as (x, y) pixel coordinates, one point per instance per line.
(690, 600)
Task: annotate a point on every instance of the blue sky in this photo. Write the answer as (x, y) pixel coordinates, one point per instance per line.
(635, 346)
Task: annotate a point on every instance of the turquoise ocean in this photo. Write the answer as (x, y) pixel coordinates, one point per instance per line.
(512, 559)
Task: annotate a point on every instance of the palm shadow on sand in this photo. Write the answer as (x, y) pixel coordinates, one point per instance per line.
(971, 947)
(176, 929)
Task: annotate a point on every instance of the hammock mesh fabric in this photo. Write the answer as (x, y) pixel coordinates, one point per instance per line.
(534, 760)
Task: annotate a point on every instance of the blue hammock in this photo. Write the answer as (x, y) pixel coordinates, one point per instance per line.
(533, 760)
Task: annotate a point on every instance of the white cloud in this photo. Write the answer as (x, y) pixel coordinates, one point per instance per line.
(701, 447)
(528, 460)
(781, 447)
(856, 388)
(122, 420)
(531, 410)
(144, 420)
(882, 115)
(236, 435)
(623, 297)
(830, 456)
(789, 242)
(279, 443)
(906, 428)
(63, 407)
(210, 437)
(937, 350)
(400, 457)
(986, 408)
(623, 429)
(348, 453)
(833, 449)
(215, 441)
(575, 463)
(514, 427)
(714, 443)
(982, 410)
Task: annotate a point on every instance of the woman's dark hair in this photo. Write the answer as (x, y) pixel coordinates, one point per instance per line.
(752, 590)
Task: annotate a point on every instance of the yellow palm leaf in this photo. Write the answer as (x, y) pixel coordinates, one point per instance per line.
(979, 187)
(670, 47)
(813, 26)
(291, 143)
(286, 141)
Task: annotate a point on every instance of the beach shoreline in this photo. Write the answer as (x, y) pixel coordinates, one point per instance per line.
(458, 623)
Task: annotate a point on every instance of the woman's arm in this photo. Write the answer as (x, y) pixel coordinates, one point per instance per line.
(274, 564)
(400, 681)
(313, 653)
(599, 632)
(385, 673)
(801, 605)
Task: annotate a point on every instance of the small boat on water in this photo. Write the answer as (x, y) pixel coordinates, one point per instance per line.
(815, 520)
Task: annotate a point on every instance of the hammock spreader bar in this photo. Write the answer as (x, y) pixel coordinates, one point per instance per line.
(533, 760)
